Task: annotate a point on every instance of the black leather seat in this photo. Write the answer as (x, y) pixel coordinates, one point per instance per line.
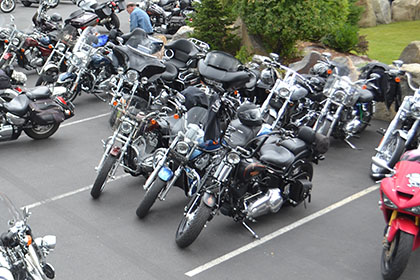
(18, 105)
(40, 92)
(365, 96)
(277, 156)
(294, 145)
(183, 51)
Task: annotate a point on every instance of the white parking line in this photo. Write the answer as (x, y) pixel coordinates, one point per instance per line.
(61, 196)
(85, 120)
(279, 232)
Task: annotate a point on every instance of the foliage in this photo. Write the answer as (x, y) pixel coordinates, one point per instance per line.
(346, 39)
(244, 55)
(212, 23)
(280, 23)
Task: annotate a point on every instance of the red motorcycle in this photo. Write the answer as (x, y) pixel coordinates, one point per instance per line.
(400, 204)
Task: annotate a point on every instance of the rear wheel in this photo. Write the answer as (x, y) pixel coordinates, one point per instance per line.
(391, 153)
(114, 22)
(395, 258)
(192, 224)
(150, 197)
(103, 175)
(7, 6)
(39, 132)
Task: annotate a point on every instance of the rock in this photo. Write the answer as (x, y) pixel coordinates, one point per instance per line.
(403, 10)
(354, 73)
(382, 9)
(182, 32)
(411, 53)
(306, 63)
(368, 18)
(251, 42)
(414, 70)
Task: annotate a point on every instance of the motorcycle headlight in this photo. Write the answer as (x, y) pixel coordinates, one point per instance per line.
(132, 76)
(126, 127)
(61, 47)
(233, 158)
(283, 92)
(338, 96)
(182, 147)
(76, 60)
(414, 210)
(415, 109)
(15, 41)
(388, 203)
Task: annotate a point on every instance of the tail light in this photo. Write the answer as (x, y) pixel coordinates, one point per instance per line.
(61, 100)
(18, 89)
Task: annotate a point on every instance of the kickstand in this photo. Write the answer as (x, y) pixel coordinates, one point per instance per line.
(250, 230)
(351, 145)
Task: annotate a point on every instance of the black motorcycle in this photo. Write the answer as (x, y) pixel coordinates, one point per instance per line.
(106, 13)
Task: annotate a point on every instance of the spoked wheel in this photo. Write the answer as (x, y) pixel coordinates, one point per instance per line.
(192, 224)
(7, 6)
(395, 258)
(150, 197)
(39, 132)
(103, 175)
(114, 23)
(391, 153)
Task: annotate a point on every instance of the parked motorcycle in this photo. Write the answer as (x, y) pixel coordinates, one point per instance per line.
(106, 12)
(7, 6)
(400, 204)
(22, 256)
(33, 112)
(51, 3)
(249, 182)
(42, 21)
(402, 132)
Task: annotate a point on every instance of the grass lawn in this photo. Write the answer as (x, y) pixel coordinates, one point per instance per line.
(387, 41)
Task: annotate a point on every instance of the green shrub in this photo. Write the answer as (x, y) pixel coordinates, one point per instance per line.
(244, 55)
(344, 39)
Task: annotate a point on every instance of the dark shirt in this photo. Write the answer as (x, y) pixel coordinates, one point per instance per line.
(139, 18)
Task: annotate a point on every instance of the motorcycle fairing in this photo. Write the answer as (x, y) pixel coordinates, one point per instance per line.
(138, 39)
(183, 52)
(404, 224)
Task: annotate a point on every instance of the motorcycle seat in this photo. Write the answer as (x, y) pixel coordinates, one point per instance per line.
(40, 92)
(275, 155)
(183, 51)
(18, 105)
(366, 96)
(295, 145)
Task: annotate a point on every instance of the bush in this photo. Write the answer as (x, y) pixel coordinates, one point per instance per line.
(212, 24)
(280, 23)
(344, 39)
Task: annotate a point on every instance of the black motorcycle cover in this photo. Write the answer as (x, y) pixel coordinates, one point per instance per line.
(45, 112)
(195, 97)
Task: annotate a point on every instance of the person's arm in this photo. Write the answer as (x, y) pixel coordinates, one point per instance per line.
(133, 21)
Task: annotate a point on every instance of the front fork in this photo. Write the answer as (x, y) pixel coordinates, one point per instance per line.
(401, 223)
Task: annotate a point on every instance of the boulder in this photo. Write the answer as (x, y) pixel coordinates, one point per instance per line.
(183, 32)
(354, 73)
(403, 10)
(414, 70)
(411, 53)
(368, 18)
(306, 63)
(382, 9)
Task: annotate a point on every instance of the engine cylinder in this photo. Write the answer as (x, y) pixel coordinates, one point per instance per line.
(269, 202)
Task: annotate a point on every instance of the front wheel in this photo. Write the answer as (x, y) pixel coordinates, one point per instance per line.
(391, 153)
(39, 132)
(395, 258)
(150, 197)
(113, 23)
(103, 175)
(192, 224)
(7, 6)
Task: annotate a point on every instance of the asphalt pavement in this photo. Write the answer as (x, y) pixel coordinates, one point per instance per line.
(337, 236)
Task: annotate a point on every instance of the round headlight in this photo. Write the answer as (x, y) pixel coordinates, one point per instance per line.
(182, 147)
(284, 92)
(61, 47)
(233, 158)
(15, 41)
(132, 76)
(76, 59)
(415, 109)
(338, 96)
(126, 127)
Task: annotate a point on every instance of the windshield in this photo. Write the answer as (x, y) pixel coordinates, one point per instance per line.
(9, 214)
(68, 35)
(85, 40)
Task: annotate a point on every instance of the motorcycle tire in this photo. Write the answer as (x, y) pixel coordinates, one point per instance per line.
(103, 174)
(39, 132)
(7, 6)
(192, 224)
(55, 4)
(396, 147)
(150, 197)
(26, 3)
(366, 119)
(114, 22)
(395, 259)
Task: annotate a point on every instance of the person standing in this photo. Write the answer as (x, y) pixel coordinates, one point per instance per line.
(138, 18)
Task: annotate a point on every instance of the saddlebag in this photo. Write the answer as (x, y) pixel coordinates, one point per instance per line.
(4, 80)
(45, 112)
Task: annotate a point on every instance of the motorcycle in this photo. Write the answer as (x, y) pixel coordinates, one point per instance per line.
(347, 109)
(51, 3)
(33, 112)
(106, 12)
(21, 255)
(42, 21)
(7, 6)
(400, 204)
(402, 132)
(254, 180)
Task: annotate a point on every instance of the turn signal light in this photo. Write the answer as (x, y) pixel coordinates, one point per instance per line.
(364, 87)
(22, 50)
(29, 242)
(6, 41)
(50, 46)
(329, 71)
(397, 79)
(153, 121)
(176, 116)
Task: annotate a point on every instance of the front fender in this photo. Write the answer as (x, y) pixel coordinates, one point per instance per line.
(5, 274)
(403, 224)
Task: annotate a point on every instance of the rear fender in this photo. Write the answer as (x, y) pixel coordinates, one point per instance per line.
(406, 225)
